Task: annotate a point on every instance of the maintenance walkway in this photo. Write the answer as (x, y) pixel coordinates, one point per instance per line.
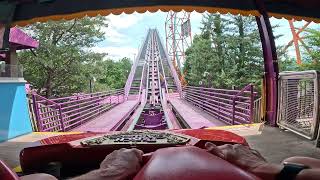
(111, 119)
(193, 117)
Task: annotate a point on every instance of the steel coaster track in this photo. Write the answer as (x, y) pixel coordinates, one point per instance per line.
(152, 111)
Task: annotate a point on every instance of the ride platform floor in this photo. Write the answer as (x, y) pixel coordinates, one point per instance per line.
(276, 144)
(108, 120)
(193, 116)
(273, 143)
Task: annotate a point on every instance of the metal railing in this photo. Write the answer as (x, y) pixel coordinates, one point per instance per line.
(298, 102)
(257, 111)
(66, 113)
(8, 70)
(230, 106)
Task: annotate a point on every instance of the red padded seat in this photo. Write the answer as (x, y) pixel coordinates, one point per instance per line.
(6, 173)
(189, 163)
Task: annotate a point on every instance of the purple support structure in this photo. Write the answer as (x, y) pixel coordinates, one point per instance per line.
(18, 40)
(270, 63)
(36, 112)
(153, 119)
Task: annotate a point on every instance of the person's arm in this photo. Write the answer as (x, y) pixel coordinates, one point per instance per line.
(120, 164)
(253, 162)
(267, 171)
(270, 171)
(309, 174)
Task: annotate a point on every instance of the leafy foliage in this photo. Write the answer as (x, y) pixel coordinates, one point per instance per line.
(311, 60)
(63, 63)
(116, 73)
(227, 53)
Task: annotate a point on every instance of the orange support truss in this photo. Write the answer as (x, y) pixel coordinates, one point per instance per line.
(296, 39)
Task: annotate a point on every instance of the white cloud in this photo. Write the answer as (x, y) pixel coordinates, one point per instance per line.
(124, 21)
(120, 22)
(116, 39)
(117, 52)
(112, 35)
(195, 16)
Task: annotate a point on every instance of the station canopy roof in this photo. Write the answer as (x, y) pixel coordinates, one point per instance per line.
(30, 11)
(20, 40)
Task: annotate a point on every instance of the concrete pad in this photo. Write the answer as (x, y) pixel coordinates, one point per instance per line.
(276, 145)
(193, 116)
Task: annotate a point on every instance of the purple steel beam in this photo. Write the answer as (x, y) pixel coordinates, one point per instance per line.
(153, 119)
(20, 40)
(270, 62)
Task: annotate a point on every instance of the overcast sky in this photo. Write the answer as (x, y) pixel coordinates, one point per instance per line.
(125, 33)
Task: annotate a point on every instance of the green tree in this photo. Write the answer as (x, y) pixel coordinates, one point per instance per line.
(199, 57)
(244, 51)
(115, 73)
(311, 60)
(63, 62)
(214, 26)
(313, 41)
(233, 50)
